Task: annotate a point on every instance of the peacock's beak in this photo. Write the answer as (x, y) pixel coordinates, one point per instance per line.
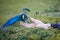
(25, 21)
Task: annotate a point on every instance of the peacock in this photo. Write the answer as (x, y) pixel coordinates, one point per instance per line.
(21, 17)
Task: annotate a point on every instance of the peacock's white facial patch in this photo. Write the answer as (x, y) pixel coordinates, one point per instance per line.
(23, 17)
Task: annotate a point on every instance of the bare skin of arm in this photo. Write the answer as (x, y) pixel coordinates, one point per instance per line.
(31, 25)
(35, 23)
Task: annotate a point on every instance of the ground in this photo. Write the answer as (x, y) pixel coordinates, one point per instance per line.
(49, 12)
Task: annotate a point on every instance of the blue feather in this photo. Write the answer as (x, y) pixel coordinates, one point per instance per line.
(11, 21)
(14, 20)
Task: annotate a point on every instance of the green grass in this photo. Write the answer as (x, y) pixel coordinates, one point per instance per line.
(10, 8)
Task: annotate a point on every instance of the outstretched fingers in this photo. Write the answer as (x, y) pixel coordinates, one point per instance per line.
(27, 25)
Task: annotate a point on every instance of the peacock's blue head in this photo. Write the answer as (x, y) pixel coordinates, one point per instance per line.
(24, 17)
(25, 10)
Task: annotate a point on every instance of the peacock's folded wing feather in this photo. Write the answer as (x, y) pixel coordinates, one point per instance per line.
(11, 21)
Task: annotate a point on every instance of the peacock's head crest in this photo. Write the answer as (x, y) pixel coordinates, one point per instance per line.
(26, 10)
